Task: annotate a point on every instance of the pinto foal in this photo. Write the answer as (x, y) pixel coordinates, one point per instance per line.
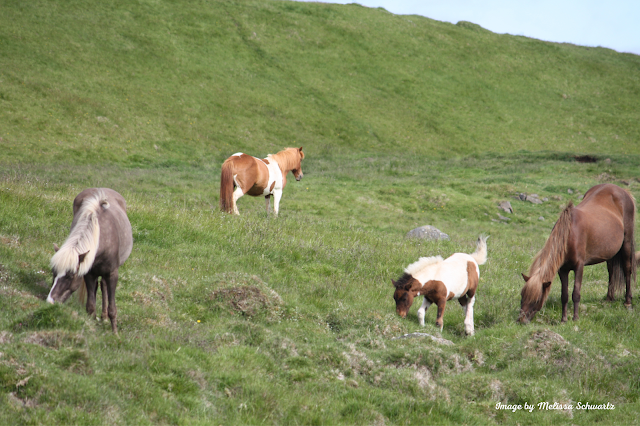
(439, 280)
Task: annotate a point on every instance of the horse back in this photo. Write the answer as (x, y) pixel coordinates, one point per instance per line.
(250, 173)
(602, 222)
(116, 239)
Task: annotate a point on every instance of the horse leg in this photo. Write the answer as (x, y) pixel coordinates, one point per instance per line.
(91, 284)
(576, 290)
(423, 310)
(277, 194)
(468, 320)
(103, 290)
(564, 280)
(110, 284)
(611, 292)
(629, 259)
(237, 193)
(442, 303)
(267, 199)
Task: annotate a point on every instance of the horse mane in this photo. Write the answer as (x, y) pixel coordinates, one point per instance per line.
(546, 263)
(404, 280)
(422, 263)
(84, 237)
(287, 159)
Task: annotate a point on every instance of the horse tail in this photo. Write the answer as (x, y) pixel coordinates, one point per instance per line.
(617, 280)
(548, 260)
(480, 255)
(226, 187)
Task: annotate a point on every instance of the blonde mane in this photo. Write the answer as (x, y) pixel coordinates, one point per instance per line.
(84, 238)
(548, 260)
(287, 159)
(422, 264)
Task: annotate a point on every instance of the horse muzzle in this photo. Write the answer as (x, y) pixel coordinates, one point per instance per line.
(524, 318)
(299, 177)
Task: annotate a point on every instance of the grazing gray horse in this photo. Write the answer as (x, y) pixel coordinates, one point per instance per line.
(99, 243)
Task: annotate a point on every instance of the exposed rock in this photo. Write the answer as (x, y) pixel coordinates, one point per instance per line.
(541, 218)
(505, 206)
(427, 232)
(532, 198)
(503, 218)
(570, 191)
(436, 339)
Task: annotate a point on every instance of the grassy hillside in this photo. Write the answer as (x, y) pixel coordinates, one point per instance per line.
(405, 121)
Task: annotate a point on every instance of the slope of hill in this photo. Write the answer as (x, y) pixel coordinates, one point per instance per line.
(83, 80)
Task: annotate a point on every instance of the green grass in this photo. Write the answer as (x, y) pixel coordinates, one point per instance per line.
(406, 121)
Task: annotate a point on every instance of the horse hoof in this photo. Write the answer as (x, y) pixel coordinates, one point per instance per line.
(629, 306)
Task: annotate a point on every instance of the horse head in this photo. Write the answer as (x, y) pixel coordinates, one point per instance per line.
(297, 171)
(533, 297)
(406, 291)
(65, 282)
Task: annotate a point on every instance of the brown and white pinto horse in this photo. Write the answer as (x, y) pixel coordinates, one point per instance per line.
(440, 280)
(599, 229)
(244, 174)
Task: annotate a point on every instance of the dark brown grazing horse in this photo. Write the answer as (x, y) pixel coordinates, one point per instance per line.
(244, 174)
(599, 229)
(99, 243)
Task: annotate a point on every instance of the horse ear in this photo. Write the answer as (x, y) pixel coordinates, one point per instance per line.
(55, 247)
(393, 282)
(526, 278)
(301, 153)
(81, 257)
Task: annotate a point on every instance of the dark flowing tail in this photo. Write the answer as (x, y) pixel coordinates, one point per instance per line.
(226, 187)
(626, 255)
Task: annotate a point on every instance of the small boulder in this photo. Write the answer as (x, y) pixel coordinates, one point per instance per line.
(534, 198)
(505, 206)
(427, 232)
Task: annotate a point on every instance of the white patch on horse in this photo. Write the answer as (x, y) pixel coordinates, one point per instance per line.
(452, 271)
(275, 176)
(49, 298)
(238, 154)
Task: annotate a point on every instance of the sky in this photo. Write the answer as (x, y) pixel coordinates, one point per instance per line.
(614, 24)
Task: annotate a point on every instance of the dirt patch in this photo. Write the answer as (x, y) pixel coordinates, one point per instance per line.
(54, 339)
(552, 348)
(425, 380)
(358, 361)
(5, 337)
(497, 390)
(606, 177)
(12, 241)
(248, 296)
(547, 345)
(247, 300)
(585, 159)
